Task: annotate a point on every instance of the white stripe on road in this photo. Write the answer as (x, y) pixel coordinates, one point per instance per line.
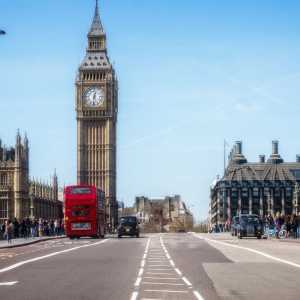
(156, 273)
(253, 251)
(162, 283)
(186, 281)
(178, 272)
(141, 271)
(162, 278)
(167, 291)
(138, 281)
(8, 283)
(134, 296)
(198, 296)
(21, 263)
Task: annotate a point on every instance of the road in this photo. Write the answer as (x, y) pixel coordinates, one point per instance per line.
(156, 266)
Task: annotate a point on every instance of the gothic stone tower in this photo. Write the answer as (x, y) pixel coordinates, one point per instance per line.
(96, 108)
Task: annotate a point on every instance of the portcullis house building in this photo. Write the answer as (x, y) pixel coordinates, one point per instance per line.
(262, 188)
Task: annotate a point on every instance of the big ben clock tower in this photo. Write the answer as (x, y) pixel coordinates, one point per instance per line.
(96, 108)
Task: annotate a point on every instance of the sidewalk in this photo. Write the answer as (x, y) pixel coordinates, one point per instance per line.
(23, 242)
(227, 236)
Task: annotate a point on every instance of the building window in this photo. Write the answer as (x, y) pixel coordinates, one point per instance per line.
(3, 179)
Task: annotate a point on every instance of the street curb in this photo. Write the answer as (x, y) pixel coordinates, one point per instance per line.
(32, 242)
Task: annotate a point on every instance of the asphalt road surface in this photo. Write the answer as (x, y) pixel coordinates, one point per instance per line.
(156, 266)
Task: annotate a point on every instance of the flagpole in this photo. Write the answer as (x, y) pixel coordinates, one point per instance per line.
(224, 153)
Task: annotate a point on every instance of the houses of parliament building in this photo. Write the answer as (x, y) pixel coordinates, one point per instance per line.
(21, 197)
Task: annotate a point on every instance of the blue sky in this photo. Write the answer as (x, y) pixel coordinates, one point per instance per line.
(192, 73)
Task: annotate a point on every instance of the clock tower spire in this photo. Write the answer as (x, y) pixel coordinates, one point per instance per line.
(96, 109)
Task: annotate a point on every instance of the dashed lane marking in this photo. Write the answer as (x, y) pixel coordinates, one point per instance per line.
(8, 283)
(198, 296)
(134, 296)
(167, 291)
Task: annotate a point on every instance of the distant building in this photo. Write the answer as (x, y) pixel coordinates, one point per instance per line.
(21, 197)
(161, 214)
(262, 188)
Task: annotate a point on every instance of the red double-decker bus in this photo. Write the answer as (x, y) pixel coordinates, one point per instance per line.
(84, 211)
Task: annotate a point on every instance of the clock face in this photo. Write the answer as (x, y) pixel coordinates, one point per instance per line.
(94, 97)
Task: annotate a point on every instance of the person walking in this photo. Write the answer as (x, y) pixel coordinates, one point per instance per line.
(9, 229)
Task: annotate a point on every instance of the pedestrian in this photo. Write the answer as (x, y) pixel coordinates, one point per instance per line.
(9, 229)
(298, 225)
(3, 230)
(16, 228)
(56, 227)
(41, 229)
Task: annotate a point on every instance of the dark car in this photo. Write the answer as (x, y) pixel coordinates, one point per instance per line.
(234, 225)
(249, 226)
(128, 226)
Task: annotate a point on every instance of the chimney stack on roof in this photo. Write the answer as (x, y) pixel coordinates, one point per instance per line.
(237, 155)
(262, 159)
(238, 147)
(275, 157)
(275, 147)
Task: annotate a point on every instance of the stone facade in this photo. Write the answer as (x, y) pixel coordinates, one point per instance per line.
(96, 108)
(168, 214)
(262, 188)
(21, 197)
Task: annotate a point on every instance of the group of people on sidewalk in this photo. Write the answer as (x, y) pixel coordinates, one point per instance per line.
(30, 228)
(289, 224)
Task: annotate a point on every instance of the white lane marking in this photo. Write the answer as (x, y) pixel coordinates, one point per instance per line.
(162, 278)
(166, 291)
(162, 283)
(155, 269)
(256, 252)
(134, 296)
(138, 281)
(178, 272)
(198, 296)
(151, 266)
(141, 271)
(21, 263)
(186, 281)
(8, 283)
(158, 273)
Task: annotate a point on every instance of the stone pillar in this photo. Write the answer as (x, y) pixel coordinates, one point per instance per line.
(282, 202)
(271, 193)
(218, 207)
(228, 208)
(250, 201)
(239, 201)
(261, 202)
